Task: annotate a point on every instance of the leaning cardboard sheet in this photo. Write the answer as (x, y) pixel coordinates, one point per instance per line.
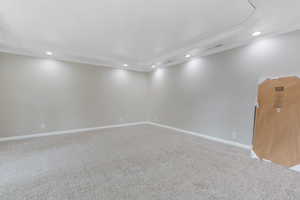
(277, 124)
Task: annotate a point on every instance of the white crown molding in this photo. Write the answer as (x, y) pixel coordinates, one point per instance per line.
(73, 59)
(208, 39)
(238, 44)
(233, 37)
(144, 66)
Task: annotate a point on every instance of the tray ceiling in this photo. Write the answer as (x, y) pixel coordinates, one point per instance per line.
(138, 33)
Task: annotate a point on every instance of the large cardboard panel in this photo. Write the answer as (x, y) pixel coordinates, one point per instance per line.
(277, 129)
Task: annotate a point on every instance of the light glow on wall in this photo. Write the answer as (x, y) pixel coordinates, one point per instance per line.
(158, 73)
(49, 53)
(50, 66)
(193, 67)
(120, 76)
(264, 48)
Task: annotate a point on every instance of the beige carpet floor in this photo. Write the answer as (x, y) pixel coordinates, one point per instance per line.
(136, 163)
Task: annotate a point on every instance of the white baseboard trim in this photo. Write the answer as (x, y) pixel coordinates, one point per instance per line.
(72, 131)
(228, 142)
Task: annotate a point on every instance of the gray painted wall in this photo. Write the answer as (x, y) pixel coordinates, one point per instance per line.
(40, 95)
(215, 95)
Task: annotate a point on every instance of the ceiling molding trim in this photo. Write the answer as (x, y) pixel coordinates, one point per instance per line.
(71, 59)
(235, 45)
(210, 40)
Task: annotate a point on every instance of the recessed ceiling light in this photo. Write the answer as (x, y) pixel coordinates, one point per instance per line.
(49, 53)
(187, 55)
(257, 33)
(125, 65)
(153, 66)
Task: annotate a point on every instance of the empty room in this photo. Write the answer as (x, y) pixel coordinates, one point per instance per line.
(149, 100)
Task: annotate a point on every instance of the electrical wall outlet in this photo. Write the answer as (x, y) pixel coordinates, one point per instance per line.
(43, 125)
(155, 119)
(234, 135)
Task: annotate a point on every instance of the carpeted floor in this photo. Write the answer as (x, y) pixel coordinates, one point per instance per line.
(138, 162)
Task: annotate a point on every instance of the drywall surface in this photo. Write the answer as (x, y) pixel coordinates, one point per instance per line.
(42, 95)
(215, 95)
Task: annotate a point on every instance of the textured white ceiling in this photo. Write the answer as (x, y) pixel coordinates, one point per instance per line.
(137, 32)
